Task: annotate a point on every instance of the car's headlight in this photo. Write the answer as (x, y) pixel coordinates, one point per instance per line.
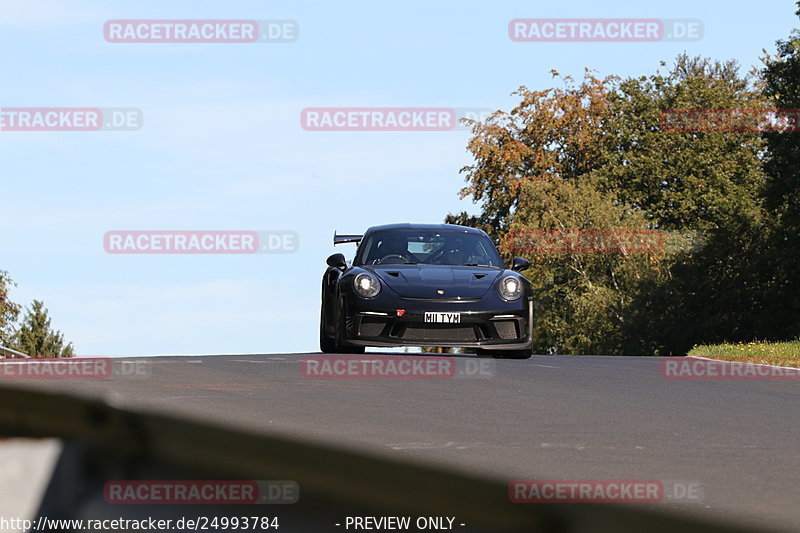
(510, 288)
(366, 285)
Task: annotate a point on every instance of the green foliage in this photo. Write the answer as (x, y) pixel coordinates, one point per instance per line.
(438, 349)
(9, 311)
(582, 298)
(781, 258)
(684, 180)
(706, 182)
(35, 336)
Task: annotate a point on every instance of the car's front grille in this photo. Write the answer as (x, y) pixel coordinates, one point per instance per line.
(371, 326)
(438, 333)
(441, 299)
(506, 329)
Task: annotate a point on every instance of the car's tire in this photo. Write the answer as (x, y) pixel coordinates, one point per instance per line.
(326, 344)
(339, 345)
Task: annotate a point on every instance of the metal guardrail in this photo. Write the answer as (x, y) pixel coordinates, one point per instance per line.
(15, 353)
(102, 441)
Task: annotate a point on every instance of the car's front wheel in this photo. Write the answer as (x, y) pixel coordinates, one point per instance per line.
(339, 343)
(326, 344)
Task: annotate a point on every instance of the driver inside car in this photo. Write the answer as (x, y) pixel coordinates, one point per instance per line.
(393, 246)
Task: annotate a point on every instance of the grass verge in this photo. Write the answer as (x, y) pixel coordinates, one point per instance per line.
(769, 353)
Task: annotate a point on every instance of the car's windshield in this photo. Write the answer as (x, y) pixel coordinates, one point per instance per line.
(433, 247)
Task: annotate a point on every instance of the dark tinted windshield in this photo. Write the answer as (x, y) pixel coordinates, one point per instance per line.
(434, 247)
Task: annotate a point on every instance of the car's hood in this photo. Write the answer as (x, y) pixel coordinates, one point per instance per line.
(425, 281)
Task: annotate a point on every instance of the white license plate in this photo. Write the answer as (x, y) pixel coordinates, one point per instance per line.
(443, 318)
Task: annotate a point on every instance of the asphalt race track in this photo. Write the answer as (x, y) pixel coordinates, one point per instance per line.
(556, 417)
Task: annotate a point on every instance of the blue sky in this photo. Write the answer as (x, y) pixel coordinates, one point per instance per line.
(222, 147)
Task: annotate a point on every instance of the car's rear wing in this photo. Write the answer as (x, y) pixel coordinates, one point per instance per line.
(342, 239)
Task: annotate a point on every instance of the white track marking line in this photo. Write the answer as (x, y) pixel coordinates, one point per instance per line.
(262, 361)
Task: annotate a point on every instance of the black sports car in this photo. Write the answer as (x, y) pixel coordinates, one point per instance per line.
(426, 285)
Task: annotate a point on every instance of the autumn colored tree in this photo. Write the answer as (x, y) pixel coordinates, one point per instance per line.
(551, 133)
(595, 156)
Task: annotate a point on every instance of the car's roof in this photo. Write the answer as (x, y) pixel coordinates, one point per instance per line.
(448, 227)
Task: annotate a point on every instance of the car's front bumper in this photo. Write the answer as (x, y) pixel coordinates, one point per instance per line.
(404, 325)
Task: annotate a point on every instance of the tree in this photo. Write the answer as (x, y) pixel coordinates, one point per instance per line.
(583, 291)
(781, 264)
(706, 183)
(9, 311)
(554, 132)
(594, 156)
(35, 336)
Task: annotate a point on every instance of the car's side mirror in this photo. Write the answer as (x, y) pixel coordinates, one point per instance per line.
(519, 263)
(337, 260)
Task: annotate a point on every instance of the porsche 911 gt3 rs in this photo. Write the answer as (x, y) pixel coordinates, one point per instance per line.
(426, 285)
